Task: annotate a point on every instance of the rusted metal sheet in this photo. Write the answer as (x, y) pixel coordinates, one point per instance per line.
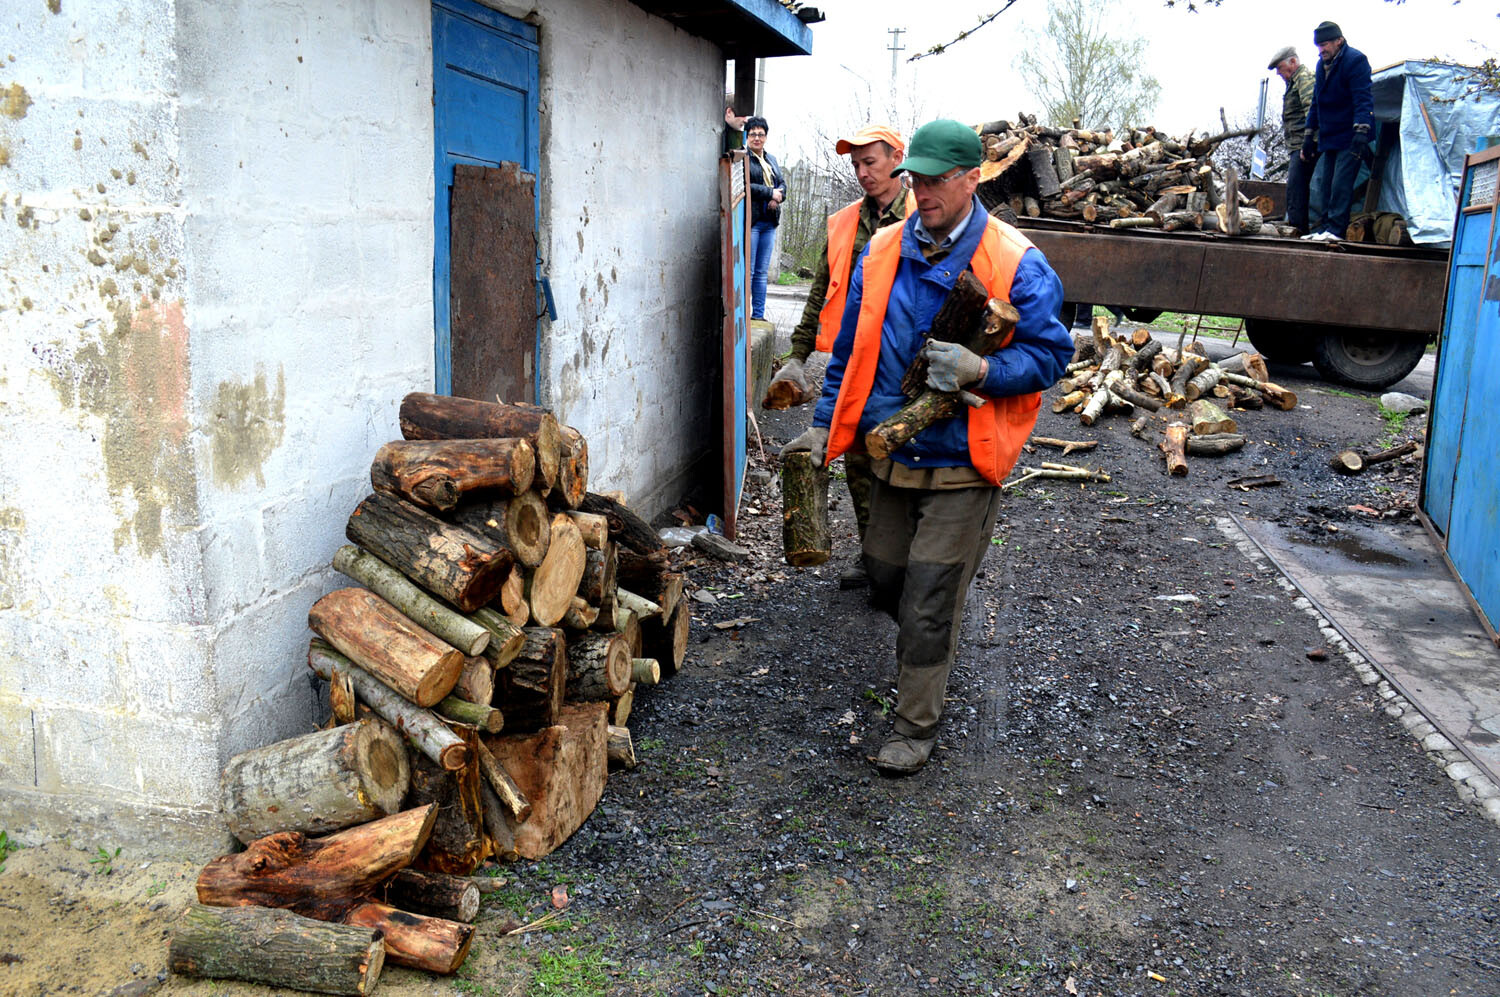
(493, 282)
(1284, 280)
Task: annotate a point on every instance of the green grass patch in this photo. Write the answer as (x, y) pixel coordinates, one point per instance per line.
(571, 973)
(7, 845)
(1395, 422)
(104, 861)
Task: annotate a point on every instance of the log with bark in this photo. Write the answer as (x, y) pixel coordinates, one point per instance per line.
(377, 637)
(449, 561)
(1209, 418)
(480, 716)
(1215, 444)
(573, 468)
(320, 782)
(435, 894)
(620, 747)
(551, 588)
(805, 540)
(506, 638)
(593, 527)
(318, 877)
(1251, 365)
(561, 769)
(416, 605)
(427, 416)
(666, 640)
(519, 524)
(1354, 462)
(431, 736)
(275, 948)
(1174, 446)
(517, 806)
(437, 473)
(532, 689)
(433, 944)
(599, 667)
(625, 527)
(644, 671)
(456, 844)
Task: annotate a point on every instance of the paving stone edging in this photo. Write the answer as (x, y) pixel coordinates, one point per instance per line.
(1472, 785)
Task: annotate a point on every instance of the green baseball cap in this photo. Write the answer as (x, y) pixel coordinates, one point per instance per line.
(939, 146)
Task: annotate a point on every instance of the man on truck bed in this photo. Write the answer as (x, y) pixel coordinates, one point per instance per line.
(874, 151)
(1339, 126)
(1294, 107)
(933, 504)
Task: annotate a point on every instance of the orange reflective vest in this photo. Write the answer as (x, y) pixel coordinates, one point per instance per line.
(996, 430)
(843, 226)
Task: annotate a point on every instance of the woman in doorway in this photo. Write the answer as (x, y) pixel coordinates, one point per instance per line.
(767, 191)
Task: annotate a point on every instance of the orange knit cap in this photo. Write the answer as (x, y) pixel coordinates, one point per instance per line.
(868, 134)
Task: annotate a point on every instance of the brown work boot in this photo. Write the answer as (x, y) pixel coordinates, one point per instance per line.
(902, 755)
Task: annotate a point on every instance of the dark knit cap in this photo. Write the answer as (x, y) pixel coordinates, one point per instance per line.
(1326, 32)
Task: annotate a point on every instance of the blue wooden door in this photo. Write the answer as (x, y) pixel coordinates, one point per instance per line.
(484, 105)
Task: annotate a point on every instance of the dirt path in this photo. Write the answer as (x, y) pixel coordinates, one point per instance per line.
(1145, 785)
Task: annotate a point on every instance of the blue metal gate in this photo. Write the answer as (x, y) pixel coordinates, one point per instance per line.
(1460, 486)
(484, 105)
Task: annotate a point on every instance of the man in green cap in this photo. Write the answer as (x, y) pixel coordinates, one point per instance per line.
(934, 501)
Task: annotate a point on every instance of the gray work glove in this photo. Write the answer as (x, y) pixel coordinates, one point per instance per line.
(951, 366)
(813, 441)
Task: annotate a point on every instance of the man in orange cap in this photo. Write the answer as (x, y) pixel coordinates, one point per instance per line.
(875, 151)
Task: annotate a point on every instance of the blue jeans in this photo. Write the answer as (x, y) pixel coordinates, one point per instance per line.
(1338, 169)
(762, 241)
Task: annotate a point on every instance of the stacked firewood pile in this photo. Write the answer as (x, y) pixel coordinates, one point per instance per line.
(1138, 376)
(1136, 179)
(480, 677)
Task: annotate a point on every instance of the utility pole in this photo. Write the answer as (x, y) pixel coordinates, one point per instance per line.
(896, 47)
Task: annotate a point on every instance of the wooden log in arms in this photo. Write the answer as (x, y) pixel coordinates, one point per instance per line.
(416, 605)
(551, 588)
(599, 667)
(1173, 445)
(377, 637)
(427, 416)
(276, 948)
(805, 540)
(433, 944)
(320, 782)
(785, 392)
(1353, 462)
(427, 732)
(961, 312)
(997, 321)
(573, 468)
(435, 894)
(437, 473)
(625, 527)
(317, 877)
(519, 524)
(447, 560)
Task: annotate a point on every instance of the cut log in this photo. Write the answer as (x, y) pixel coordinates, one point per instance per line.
(561, 770)
(620, 747)
(341, 700)
(1353, 462)
(1203, 383)
(512, 601)
(643, 608)
(416, 605)
(580, 615)
(518, 524)
(627, 625)
(1138, 427)
(1209, 418)
(435, 894)
(1174, 446)
(1229, 211)
(480, 716)
(599, 667)
(320, 782)
(433, 944)
(1215, 445)
(805, 540)
(896, 431)
(436, 473)
(427, 416)
(1070, 400)
(377, 637)
(456, 844)
(426, 731)
(506, 638)
(645, 671)
(593, 527)
(1190, 366)
(666, 640)
(1176, 221)
(1135, 397)
(625, 527)
(1095, 406)
(476, 683)
(573, 468)
(447, 560)
(600, 569)
(531, 690)
(619, 710)
(551, 588)
(275, 948)
(517, 806)
(502, 839)
(1251, 365)
(320, 877)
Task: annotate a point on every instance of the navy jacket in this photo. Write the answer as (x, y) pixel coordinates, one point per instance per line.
(761, 187)
(1341, 99)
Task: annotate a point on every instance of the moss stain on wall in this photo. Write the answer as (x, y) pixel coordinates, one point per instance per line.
(245, 426)
(14, 100)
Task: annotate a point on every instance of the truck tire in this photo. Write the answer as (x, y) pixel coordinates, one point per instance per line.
(1363, 358)
(1282, 342)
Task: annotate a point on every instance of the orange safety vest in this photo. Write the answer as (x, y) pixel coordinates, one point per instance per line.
(998, 429)
(843, 226)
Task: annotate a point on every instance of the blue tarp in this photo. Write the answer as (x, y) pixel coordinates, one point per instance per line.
(1439, 126)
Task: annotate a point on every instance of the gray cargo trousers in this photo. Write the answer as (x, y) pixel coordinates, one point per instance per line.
(921, 549)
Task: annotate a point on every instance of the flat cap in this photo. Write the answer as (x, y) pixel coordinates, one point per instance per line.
(1281, 56)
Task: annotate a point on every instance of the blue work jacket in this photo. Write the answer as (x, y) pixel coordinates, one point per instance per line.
(1341, 99)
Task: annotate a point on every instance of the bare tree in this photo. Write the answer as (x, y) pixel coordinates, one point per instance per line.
(1240, 150)
(1085, 67)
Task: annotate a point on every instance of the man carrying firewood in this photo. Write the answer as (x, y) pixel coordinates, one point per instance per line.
(874, 151)
(1294, 106)
(934, 501)
(1340, 124)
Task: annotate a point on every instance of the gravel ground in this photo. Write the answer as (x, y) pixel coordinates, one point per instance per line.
(1156, 776)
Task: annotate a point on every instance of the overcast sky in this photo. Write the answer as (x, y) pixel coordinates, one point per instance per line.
(1216, 57)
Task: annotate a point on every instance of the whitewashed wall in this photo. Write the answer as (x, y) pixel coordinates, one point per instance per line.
(215, 287)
